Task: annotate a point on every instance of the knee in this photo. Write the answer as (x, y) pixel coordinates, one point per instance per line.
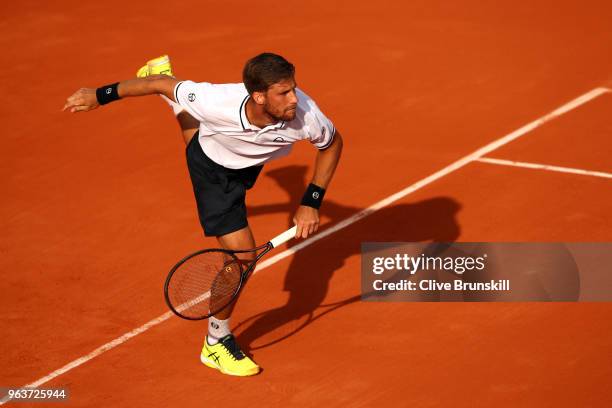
(248, 257)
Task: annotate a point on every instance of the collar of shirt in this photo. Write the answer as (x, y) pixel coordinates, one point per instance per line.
(247, 126)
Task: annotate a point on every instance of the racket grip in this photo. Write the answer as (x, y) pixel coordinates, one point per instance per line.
(284, 237)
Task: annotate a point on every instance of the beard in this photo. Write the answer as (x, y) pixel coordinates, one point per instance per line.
(286, 115)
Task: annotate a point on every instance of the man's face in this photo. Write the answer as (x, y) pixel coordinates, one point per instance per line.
(280, 100)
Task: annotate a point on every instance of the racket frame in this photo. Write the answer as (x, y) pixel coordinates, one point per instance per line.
(244, 273)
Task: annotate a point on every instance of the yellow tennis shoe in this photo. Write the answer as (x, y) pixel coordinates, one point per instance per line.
(227, 357)
(156, 66)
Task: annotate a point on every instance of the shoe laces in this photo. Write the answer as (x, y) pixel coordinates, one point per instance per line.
(229, 342)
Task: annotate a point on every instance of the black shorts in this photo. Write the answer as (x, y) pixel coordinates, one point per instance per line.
(219, 192)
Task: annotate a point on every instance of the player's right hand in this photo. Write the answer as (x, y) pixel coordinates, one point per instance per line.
(307, 221)
(82, 100)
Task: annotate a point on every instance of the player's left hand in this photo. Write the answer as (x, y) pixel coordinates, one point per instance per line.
(82, 100)
(307, 221)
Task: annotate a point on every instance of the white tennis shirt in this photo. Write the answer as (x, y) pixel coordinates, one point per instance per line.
(227, 137)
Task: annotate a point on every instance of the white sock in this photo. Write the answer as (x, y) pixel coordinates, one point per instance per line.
(176, 108)
(217, 329)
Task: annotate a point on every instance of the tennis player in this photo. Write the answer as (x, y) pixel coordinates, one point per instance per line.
(231, 131)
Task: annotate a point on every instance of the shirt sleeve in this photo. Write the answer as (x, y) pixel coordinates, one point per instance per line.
(192, 96)
(321, 130)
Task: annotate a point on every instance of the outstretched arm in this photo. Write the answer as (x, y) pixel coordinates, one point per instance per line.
(85, 99)
(307, 218)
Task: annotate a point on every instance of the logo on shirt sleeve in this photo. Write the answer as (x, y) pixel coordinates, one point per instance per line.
(279, 139)
(191, 97)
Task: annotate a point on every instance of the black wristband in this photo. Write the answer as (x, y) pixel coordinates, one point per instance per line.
(313, 197)
(107, 93)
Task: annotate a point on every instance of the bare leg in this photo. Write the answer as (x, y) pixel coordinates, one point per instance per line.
(241, 239)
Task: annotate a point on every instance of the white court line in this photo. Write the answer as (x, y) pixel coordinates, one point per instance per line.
(544, 167)
(341, 225)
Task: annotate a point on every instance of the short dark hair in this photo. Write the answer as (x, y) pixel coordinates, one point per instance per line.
(264, 70)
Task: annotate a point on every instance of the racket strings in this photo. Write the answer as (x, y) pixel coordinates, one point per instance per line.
(204, 284)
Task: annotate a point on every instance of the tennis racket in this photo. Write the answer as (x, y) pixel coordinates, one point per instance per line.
(206, 282)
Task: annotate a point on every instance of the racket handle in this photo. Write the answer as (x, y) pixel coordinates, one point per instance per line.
(284, 237)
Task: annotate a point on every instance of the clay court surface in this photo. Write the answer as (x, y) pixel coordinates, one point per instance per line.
(98, 206)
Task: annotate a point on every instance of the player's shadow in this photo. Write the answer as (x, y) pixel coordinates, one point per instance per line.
(311, 269)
